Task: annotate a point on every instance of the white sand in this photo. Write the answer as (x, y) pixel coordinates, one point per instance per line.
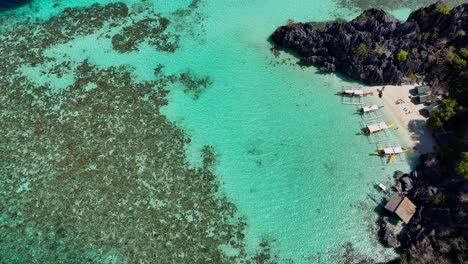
(413, 123)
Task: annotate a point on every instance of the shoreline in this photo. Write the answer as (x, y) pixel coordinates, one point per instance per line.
(406, 116)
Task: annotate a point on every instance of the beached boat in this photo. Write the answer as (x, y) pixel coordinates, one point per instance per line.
(358, 93)
(369, 109)
(391, 151)
(374, 128)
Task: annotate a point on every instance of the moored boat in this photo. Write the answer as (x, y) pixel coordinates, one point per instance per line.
(369, 109)
(391, 151)
(374, 128)
(359, 93)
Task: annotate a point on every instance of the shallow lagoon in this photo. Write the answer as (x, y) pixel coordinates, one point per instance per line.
(287, 153)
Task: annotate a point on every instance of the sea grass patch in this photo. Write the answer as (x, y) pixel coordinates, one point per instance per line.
(152, 29)
(193, 84)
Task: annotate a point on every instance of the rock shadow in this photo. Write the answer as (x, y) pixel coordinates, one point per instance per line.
(421, 134)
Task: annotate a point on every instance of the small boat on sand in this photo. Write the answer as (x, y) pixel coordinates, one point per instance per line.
(374, 128)
(391, 151)
(369, 109)
(357, 93)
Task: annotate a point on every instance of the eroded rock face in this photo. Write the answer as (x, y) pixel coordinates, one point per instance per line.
(435, 233)
(378, 49)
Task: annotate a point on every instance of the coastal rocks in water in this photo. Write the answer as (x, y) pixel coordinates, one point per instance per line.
(378, 49)
(388, 236)
(435, 233)
(403, 183)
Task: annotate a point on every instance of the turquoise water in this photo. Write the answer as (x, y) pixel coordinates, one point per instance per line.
(287, 151)
(289, 156)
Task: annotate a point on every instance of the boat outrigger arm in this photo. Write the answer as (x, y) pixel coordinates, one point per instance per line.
(358, 93)
(374, 128)
(390, 151)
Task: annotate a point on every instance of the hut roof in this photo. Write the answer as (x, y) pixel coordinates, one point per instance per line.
(393, 202)
(423, 98)
(406, 210)
(423, 89)
(432, 107)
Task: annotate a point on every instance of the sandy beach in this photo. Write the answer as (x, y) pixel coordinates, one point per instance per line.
(406, 115)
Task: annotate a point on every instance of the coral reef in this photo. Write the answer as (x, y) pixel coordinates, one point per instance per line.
(93, 172)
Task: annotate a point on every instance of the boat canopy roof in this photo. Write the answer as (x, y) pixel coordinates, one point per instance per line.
(393, 150)
(356, 92)
(377, 127)
(370, 108)
(381, 186)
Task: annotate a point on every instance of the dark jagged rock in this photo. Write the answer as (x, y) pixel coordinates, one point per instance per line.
(435, 234)
(388, 236)
(431, 46)
(378, 49)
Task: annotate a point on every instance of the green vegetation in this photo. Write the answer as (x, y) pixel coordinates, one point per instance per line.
(379, 49)
(438, 199)
(462, 167)
(464, 52)
(362, 49)
(424, 36)
(413, 77)
(443, 8)
(452, 117)
(402, 55)
(441, 117)
(423, 16)
(457, 62)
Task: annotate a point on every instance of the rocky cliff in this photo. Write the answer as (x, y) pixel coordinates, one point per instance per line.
(378, 49)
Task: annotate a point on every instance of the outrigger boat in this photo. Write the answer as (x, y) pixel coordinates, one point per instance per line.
(358, 93)
(390, 151)
(381, 196)
(374, 128)
(369, 109)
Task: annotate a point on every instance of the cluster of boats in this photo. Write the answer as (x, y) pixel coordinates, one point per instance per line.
(390, 152)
